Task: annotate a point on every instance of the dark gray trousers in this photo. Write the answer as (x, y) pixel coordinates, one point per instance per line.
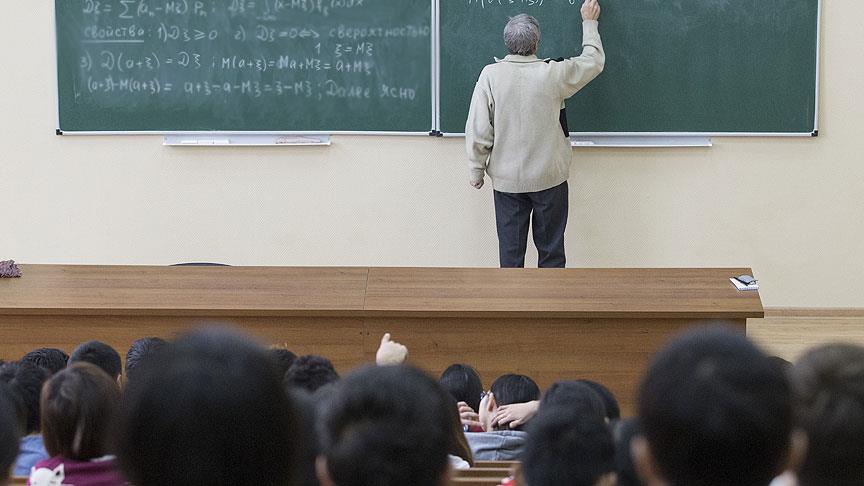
(512, 215)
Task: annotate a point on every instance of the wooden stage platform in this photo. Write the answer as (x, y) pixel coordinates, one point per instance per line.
(599, 324)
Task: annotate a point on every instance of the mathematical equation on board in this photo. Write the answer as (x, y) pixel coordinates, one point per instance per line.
(228, 48)
(517, 3)
(260, 9)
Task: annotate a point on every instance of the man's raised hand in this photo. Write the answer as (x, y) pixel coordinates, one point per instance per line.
(590, 10)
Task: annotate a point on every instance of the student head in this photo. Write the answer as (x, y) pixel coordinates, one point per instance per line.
(783, 364)
(613, 410)
(78, 407)
(12, 417)
(386, 426)
(522, 35)
(306, 407)
(222, 417)
(282, 358)
(463, 383)
(52, 359)
(99, 354)
(623, 431)
(506, 390)
(26, 380)
(141, 351)
(715, 411)
(311, 373)
(829, 388)
(568, 447)
(575, 395)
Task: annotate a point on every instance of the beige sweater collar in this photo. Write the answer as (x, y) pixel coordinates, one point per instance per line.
(519, 59)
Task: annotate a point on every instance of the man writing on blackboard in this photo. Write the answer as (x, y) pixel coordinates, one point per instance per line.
(514, 134)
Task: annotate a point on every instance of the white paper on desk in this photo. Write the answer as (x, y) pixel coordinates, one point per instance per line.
(741, 287)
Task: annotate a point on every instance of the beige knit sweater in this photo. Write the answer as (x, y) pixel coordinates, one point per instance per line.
(513, 131)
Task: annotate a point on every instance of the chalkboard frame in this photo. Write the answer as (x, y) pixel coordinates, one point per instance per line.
(434, 33)
(435, 125)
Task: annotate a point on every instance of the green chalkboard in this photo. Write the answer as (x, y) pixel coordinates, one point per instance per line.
(244, 65)
(697, 66)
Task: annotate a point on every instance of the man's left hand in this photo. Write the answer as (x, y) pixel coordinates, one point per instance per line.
(477, 185)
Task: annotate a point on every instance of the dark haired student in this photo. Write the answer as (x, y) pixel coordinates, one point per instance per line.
(715, 411)
(283, 359)
(216, 400)
(829, 389)
(567, 446)
(576, 395)
(26, 380)
(463, 383)
(310, 372)
(12, 417)
(501, 442)
(141, 352)
(102, 355)
(387, 426)
(52, 359)
(78, 406)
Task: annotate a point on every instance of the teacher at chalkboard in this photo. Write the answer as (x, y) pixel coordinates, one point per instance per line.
(514, 134)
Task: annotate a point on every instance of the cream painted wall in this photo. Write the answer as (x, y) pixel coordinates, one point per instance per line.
(793, 209)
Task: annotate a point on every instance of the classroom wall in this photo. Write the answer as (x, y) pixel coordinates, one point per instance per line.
(793, 209)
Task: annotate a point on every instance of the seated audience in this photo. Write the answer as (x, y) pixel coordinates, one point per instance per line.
(26, 380)
(714, 411)
(565, 446)
(78, 407)
(576, 395)
(463, 383)
(216, 401)
(387, 426)
(52, 359)
(282, 358)
(501, 443)
(829, 386)
(12, 418)
(310, 373)
(140, 351)
(101, 355)
(623, 432)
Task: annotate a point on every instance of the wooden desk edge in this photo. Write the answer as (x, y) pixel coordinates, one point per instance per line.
(360, 314)
(363, 305)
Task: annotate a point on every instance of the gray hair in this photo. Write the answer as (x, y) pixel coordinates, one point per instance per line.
(522, 34)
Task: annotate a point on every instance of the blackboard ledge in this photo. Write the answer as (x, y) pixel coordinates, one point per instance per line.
(655, 139)
(641, 141)
(246, 140)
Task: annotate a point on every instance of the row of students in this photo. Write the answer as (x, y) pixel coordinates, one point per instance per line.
(713, 410)
(217, 408)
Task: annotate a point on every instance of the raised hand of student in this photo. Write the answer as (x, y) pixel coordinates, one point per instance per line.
(390, 352)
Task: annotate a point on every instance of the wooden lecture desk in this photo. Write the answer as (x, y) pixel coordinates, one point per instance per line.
(599, 324)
